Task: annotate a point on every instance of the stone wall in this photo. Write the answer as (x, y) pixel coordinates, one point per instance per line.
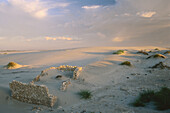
(31, 93)
(76, 71)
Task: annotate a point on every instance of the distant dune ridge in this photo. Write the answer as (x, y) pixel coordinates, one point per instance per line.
(112, 86)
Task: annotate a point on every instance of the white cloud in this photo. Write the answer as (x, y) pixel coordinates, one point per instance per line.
(58, 38)
(117, 39)
(91, 7)
(36, 8)
(146, 14)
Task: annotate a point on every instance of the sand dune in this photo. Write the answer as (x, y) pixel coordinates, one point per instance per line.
(113, 85)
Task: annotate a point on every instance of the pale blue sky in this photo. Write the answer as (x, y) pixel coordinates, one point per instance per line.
(57, 24)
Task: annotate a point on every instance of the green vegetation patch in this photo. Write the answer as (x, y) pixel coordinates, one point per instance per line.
(127, 63)
(161, 98)
(157, 56)
(85, 94)
(12, 65)
(119, 52)
(157, 49)
(167, 52)
(143, 52)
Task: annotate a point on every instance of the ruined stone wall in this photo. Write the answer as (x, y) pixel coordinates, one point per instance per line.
(76, 71)
(31, 93)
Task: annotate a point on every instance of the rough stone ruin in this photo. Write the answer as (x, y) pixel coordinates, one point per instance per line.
(39, 94)
(76, 71)
(31, 93)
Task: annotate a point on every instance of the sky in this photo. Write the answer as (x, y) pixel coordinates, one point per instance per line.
(60, 24)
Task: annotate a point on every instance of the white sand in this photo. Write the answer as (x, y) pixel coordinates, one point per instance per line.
(113, 86)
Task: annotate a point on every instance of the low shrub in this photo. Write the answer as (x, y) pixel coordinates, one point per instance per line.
(161, 99)
(127, 63)
(143, 52)
(12, 65)
(85, 94)
(119, 52)
(157, 56)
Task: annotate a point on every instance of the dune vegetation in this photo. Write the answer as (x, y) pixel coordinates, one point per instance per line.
(127, 63)
(12, 65)
(85, 94)
(167, 52)
(119, 52)
(143, 52)
(161, 99)
(157, 56)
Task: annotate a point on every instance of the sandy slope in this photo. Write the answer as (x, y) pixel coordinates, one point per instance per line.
(113, 86)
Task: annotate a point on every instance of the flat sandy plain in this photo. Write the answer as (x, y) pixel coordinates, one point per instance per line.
(113, 86)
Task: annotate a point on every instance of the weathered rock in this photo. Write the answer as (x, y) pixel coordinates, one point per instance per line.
(65, 85)
(31, 93)
(58, 77)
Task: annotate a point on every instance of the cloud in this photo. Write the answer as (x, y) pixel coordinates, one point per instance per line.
(58, 38)
(117, 39)
(36, 8)
(91, 7)
(146, 14)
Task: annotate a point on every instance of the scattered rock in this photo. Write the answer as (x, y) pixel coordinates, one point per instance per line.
(37, 78)
(58, 76)
(65, 85)
(36, 108)
(135, 73)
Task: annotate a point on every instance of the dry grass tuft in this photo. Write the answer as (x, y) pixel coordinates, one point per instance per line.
(157, 56)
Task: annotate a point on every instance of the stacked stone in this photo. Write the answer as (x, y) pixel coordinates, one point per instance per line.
(31, 93)
(65, 84)
(77, 72)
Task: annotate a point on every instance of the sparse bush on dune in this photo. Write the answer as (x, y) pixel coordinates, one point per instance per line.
(143, 52)
(85, 94)
(157, 49)
(143, 98)
(167, 52)
(161, 99)
(157, 56)
(119, 52)
(12, 65)
(127, 63)
(160, 65)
